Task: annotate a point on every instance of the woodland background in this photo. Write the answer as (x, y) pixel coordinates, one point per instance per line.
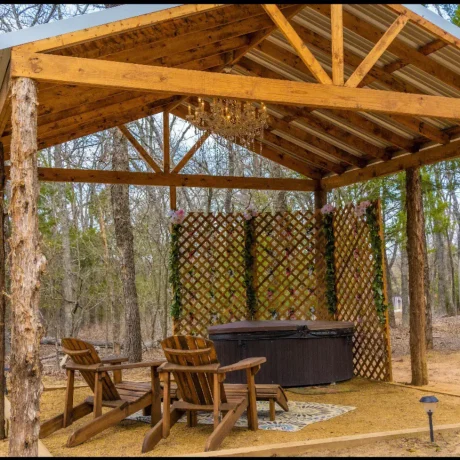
(107, 246)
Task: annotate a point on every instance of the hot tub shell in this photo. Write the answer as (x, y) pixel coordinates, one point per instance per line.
(299, 353)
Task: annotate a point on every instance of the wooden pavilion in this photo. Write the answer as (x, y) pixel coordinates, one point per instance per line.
(354, 92)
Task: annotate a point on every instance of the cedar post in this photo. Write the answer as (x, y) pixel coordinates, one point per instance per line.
(320, 201)
(27, 264)
(2, 297)
(415, 253)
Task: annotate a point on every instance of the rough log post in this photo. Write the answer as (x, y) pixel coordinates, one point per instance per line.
(417, 302)
(320, 201)
(2, 297)
(27, 264)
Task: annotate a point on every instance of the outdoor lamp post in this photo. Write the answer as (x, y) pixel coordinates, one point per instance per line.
(429, 404)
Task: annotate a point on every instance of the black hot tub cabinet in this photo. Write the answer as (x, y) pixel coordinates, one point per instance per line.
(298, 353)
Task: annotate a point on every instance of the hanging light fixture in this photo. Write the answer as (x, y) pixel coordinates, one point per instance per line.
(231, 119)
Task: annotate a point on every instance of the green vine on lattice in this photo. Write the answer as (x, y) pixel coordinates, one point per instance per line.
(376, 243)
(249, 266)
(331, 294)
(174, 275)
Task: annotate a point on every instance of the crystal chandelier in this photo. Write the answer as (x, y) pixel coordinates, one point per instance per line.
(234, 120)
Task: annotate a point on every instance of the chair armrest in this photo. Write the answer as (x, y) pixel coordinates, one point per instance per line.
(120, 367)
(81, 367)
(243, 364)
(114, 359)
(207, 368)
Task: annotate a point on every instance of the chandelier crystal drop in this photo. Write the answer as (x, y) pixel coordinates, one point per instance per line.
(231, 119)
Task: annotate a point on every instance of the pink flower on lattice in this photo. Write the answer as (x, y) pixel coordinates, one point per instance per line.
(176, 217)
(360, 209)
(250, 212)
(327, 209)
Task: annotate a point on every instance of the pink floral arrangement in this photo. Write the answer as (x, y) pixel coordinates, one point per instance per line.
(327, 209)
(360, 209)
(250, 212)
(176, 217)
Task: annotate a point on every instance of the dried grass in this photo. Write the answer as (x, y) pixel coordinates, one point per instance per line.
(379, 407)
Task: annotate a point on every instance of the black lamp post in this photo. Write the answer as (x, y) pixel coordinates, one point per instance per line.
(429, 404)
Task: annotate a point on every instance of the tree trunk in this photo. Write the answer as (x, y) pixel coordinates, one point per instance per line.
(280, 204)
(391, 308)
(404, 287)
(125, 244)
(231, 172)
(429, 312)
(27, 264)
(444, 286)
(415, 253)
(67, 282)
(2, 297)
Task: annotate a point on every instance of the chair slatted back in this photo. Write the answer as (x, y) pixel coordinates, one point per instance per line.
(195, 388)
(109, 392)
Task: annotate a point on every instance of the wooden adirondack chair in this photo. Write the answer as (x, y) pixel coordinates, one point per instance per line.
(199, 377)
(125, 398)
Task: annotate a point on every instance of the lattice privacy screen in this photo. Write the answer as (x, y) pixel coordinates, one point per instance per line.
(289, 277)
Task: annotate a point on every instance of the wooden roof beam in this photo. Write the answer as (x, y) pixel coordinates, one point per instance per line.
(337, 43)
(140, 150)
(297, 43)
(124, 76)
(375, 54)
(92, 176)
(424, 157)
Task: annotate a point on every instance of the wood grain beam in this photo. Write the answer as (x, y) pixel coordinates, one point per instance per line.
(337, 43)
(140, 150)
(380, 47)
(297, 43)
(91, 72)
(179, 180)
(116, 27)
(424, 157)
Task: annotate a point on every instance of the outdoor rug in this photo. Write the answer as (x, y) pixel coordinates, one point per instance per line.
(299, 416)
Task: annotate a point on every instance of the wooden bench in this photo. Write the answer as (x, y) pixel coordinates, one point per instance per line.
(264, 392)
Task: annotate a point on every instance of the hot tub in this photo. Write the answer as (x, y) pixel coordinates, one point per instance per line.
(298, 353)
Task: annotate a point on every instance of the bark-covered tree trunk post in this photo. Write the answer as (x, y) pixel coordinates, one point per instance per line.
(415, 253)
(27, 264)
(2, 297)
(125, 244)
(320, 199)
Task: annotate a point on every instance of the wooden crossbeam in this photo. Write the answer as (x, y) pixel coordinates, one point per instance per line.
(72, 70)
(337, 43)
(380, 47)
(424, 157)
(186, 158)
(305, 54)
(140, 150)
(92, 176)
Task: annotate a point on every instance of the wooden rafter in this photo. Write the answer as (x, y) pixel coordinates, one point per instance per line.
(424, 157)
(337, 43)
(140, 150)
(179, 180)
(186, 158)
(305, 54)
(116, 27)
(380, 47)
(91, 72)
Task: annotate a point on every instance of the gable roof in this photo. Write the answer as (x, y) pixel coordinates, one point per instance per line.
(317, 142)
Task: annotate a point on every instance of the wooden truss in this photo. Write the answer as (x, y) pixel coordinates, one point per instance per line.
(334, 124)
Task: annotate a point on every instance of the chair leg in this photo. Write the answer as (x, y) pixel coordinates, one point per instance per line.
(224, 427)
(272, 410)
(155, 434)
(252, 406)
